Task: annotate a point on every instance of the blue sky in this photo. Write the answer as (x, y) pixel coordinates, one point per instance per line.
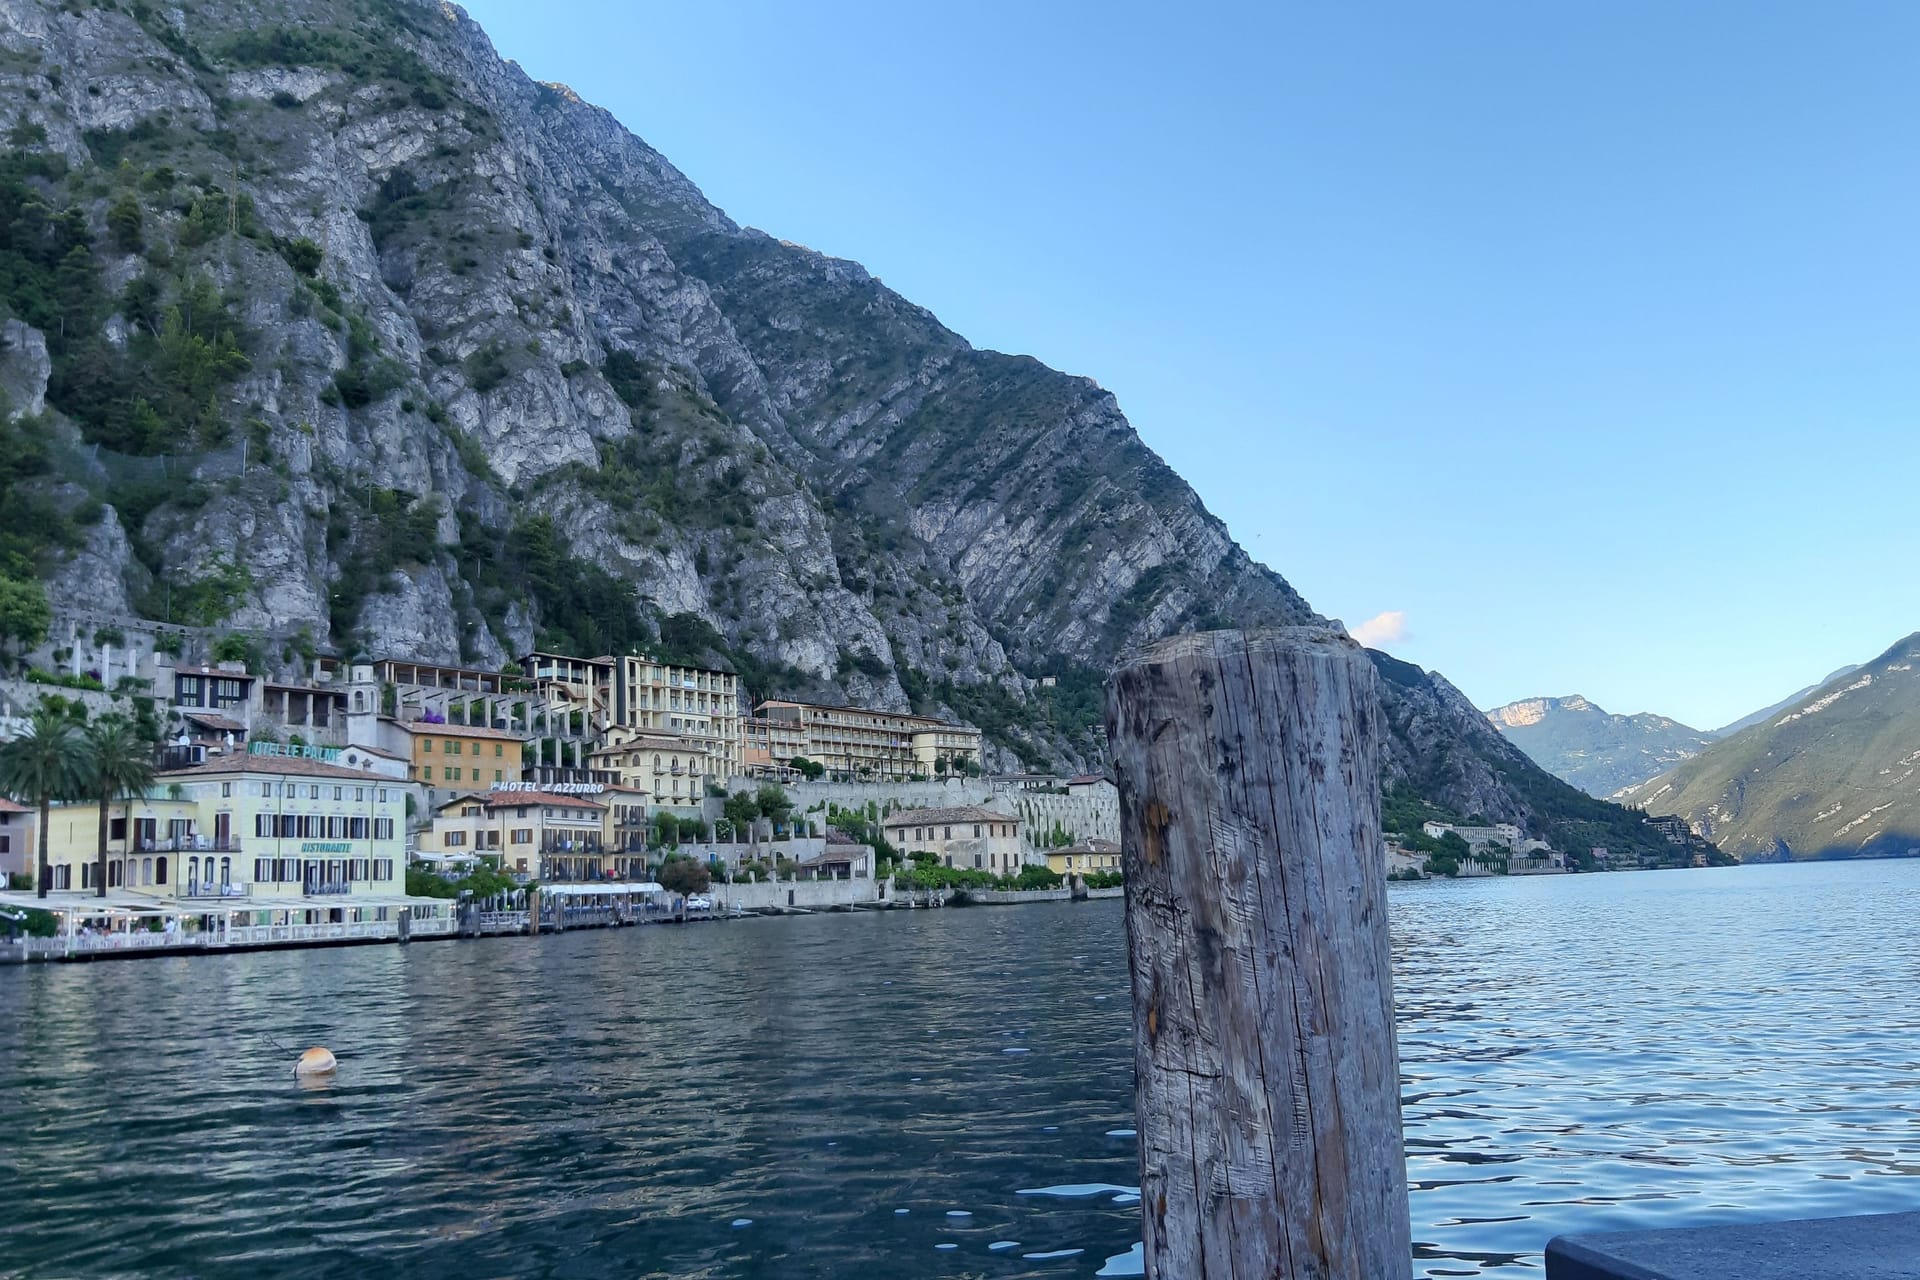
(1581, 337)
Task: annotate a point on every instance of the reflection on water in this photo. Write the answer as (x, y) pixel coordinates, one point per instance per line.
(825, 1096)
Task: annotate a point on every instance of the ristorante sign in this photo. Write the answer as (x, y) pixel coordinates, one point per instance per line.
(553, 788)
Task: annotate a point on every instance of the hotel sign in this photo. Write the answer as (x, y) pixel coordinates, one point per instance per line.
(296, 753)
(552, 788)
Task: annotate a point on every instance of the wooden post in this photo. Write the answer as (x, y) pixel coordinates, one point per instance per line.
(1267, 1082)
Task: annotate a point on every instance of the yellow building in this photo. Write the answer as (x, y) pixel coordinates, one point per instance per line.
(967, 837)
(547, 836)
(244, 830)
(1087, 856)
(941, 749)
(19, 841)
(880, 745)
(448, 759)
(699, 704)
(673, 771)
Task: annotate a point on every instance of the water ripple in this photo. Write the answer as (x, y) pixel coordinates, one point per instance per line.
(825, 1096)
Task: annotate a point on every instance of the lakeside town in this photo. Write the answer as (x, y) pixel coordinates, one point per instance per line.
(369, 800)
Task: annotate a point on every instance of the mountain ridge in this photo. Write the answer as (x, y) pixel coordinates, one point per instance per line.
(455, 365)
(1832, 773)
(1591, 748)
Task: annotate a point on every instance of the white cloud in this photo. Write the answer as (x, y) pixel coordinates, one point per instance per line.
(1382, 629)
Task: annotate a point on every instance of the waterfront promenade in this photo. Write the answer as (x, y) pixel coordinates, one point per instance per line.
(128, 926)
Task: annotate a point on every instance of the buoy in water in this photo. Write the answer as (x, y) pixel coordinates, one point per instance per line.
(315, 1062)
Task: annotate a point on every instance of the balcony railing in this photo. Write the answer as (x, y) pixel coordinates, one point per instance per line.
(211, 889)
(319, 889)
(189, 844)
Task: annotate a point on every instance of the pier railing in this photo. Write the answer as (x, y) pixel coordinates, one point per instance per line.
(108, 943)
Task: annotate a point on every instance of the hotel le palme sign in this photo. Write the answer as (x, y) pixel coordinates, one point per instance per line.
(294, 751)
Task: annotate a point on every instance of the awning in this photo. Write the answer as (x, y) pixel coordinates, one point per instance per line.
(614, 888)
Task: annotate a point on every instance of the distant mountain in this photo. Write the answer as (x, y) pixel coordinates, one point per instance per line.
(1833, 774)
(1767, 713)
(1440, 747)
(1596, 751)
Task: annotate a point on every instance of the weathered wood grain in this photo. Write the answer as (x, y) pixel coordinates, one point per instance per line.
(1267, 1079)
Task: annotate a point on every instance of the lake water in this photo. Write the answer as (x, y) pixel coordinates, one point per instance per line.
(828, 1096)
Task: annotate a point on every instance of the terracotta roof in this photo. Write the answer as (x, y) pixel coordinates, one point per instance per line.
(1089, 846)
(1087, 779)
(8, 806)
(208, 720)
(290, 765)
(937, 817)
(457, 730)
(374, 751)
(213, 671)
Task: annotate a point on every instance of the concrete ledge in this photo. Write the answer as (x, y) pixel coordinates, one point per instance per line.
(1881, 1246)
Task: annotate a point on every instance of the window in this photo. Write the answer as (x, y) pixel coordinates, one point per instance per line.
(116, 829)
(313, 792)
(159, 870)
(226, 871)
(498, 751)
(262, 869)
(976, 862)
(522, 835)
(383, 870)
(426, 773)
(226, 790)
(383, 795)
(339, 793)
(948, 833)
(453, 748)
(976, 831)
(456, 839)
(266, 788)
(359, 794)
(453, 774)
(426, 744)
(357, 828)
(383, 828)
(193, 873)
(496, 775)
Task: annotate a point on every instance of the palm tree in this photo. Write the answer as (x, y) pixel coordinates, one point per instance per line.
(44, 764)
(119, 766)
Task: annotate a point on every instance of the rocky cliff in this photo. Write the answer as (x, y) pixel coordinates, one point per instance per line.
(350, 333)
(1595, 750)
(485, 370)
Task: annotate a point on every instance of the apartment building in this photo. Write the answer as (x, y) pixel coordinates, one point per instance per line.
(546, 835)
(967, 837)
(673, 771)
(247, 829)
(883, 745)
(699, 704)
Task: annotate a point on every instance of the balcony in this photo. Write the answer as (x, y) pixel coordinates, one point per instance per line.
(189, 844)
(209, 889)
